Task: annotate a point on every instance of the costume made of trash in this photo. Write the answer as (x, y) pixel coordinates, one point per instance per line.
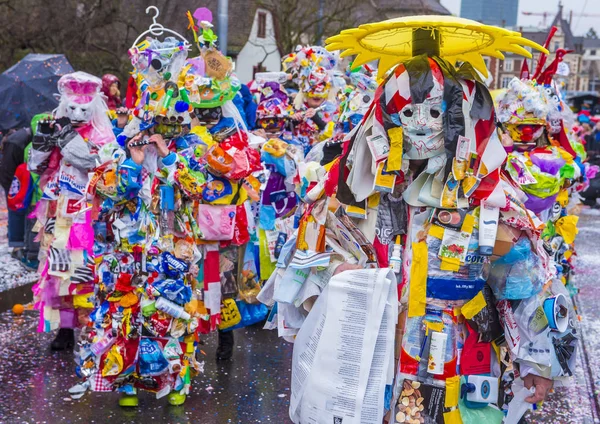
(313, 71)
(173, 224)
(64, 149)
(421, 210)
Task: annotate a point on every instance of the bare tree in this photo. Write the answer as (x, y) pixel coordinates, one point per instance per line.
(299, 21)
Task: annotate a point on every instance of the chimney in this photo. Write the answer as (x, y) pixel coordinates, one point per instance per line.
(570, 17)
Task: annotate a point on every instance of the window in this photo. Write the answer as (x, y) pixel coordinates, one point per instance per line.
(262, 25)
(517, 65)
(508, 65)
(592, 52)
(506, 81)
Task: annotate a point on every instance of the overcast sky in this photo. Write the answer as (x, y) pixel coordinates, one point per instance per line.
(580, 24)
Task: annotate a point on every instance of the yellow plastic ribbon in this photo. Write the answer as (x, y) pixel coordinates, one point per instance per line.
(452, 417)
(394, 161)
(567, 228)
(565, 155)
(468, 223)
(436, 231)
(563, 198)
(81, 301)
(450, 264)
(433, 326)
(417, 296)
(473, 306)
(452, 391)
(266, 266)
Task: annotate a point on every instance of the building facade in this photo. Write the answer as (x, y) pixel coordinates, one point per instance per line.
(259, 53)
(492, 12)
(591, 62)
(577, 78)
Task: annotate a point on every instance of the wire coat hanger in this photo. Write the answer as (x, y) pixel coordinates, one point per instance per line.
(157, 29)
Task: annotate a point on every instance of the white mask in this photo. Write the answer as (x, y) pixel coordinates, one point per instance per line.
(423, 126)
(79, 113)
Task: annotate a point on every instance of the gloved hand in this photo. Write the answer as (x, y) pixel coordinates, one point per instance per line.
(50, 131)
(64, 133)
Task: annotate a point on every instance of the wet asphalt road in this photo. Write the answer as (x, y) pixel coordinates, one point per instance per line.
(254, 386)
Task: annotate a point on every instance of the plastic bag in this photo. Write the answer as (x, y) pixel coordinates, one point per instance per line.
(488, 414)
(486, 322)
(230, 315)
(249, 285)
(463, 284)
(518, 274)
(152, 361)
(216, 222)
(174, 290)
(251, 314)
(415, 343)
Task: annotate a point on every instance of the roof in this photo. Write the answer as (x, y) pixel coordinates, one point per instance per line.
(571, 42)
(537, 36)
(591, 43)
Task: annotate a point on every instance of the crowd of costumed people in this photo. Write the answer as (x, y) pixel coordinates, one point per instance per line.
(411, 234)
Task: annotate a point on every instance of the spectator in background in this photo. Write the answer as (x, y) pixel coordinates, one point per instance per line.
(111, 87)
(13, 154)
(26, 248)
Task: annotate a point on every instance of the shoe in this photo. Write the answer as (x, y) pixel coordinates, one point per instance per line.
(65, 339)
(176, 398)
(129, 401)
(30, 265)
(17, 253)
(225, 347)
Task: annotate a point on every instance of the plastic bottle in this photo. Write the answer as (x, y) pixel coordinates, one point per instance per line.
(103, 344)
(171, 308)
(262, 77)
(437, 353)
(488, 227)
(396, 258)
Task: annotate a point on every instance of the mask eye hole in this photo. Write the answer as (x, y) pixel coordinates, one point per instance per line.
(434, 113)
(408, 113)
(72, 107)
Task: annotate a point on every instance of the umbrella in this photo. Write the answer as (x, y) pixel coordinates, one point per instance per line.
(27, 88)
(454, 39)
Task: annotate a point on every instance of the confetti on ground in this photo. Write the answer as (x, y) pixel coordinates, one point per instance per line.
(12, 274)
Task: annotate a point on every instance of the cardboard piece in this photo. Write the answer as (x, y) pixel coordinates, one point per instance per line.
(217, 65)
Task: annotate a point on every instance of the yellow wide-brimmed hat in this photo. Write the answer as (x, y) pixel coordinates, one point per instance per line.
(454, 39)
